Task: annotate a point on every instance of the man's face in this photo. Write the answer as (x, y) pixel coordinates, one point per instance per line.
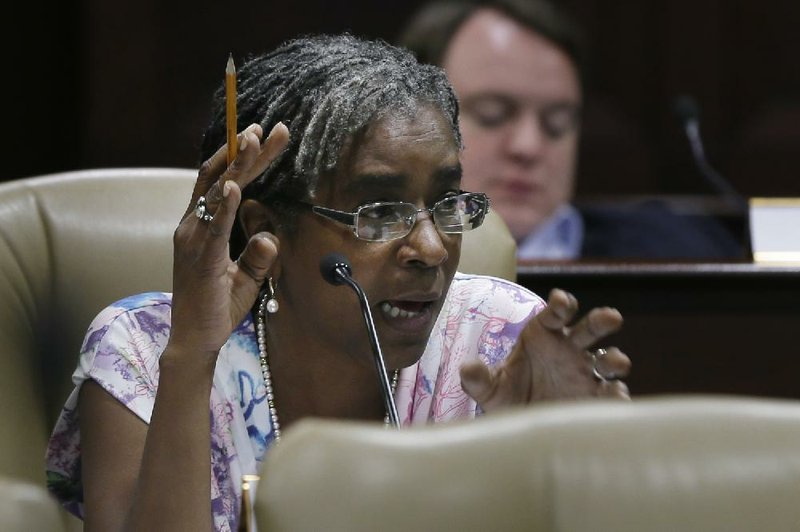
(520, 103)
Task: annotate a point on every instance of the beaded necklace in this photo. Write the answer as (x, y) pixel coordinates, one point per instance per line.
(261, 336)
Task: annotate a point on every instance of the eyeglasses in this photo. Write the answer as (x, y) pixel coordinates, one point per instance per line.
(389, 220)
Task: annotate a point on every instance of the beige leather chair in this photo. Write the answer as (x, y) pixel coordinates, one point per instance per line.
(72, 243)
(660, 464)
(25, 506)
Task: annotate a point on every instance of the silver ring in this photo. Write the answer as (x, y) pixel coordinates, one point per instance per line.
(201, 211)
(596, 355)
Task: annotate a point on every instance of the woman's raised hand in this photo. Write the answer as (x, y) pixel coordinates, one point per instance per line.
(212, 293)
(550, 359)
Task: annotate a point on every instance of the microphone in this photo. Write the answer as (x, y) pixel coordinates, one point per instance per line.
(688, 112)
(335, 269)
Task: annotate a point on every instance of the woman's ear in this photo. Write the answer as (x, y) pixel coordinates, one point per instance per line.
(255, 217)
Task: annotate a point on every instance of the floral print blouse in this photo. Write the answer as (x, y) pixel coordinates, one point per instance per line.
(481, 318)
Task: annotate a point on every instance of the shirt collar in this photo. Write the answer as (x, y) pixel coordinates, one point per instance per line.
(559, 237)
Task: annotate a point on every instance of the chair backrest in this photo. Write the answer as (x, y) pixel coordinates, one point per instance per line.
(25, 506)
(660, 464)
(490, 249)
(72, 243)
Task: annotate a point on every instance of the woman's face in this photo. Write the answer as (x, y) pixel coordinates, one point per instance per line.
(398, 158)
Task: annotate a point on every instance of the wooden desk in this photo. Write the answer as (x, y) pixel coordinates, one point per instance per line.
(705, 328)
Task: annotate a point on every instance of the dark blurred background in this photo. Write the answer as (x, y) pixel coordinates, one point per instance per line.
(127, 83)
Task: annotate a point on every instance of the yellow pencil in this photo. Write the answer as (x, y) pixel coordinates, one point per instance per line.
(230, 109)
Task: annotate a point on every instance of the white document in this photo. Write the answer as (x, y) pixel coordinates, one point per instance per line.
(775, 230)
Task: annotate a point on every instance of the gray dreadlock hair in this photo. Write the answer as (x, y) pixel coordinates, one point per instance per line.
(326, 89)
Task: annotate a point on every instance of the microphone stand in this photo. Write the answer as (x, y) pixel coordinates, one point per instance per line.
(715, 178)
(688, 112)
(336, 270)
(380, 365)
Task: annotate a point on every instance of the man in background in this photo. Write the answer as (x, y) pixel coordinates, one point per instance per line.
(518, 69)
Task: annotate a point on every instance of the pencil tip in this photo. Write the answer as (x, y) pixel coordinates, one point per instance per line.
(230, 66)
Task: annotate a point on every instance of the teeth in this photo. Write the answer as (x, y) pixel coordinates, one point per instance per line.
(395, 312)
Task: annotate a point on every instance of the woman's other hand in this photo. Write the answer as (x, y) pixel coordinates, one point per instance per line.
(551, 359)
(212, 293)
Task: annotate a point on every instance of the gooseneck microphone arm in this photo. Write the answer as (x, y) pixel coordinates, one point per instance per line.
(689, 114)
(336, 270)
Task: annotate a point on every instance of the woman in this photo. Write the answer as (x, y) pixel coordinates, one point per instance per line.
(370, 170)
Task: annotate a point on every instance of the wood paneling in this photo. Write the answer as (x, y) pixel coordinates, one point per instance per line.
(693, 328)
(127, 83)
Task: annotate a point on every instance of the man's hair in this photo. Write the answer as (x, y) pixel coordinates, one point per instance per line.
(430, 30)
(326, 89)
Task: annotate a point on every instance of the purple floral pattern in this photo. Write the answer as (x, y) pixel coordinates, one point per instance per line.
(481, 319)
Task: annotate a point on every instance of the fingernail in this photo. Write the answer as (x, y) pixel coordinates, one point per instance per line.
(271, 131)
(226, 189)
(243, 141)
(270, 238)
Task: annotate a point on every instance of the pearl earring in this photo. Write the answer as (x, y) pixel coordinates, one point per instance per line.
(272, 303)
